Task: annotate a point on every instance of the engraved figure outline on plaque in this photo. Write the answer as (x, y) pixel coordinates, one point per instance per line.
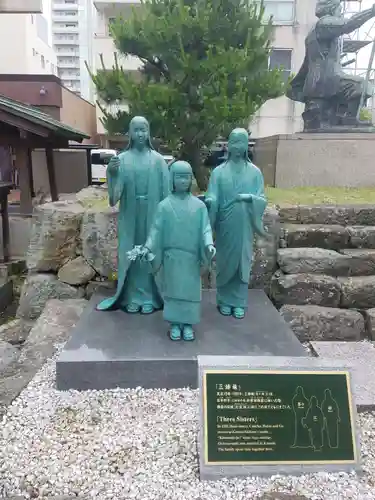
(237, 434)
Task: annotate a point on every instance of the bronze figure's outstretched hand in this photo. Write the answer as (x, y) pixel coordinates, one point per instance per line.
(113, 165)
(211, 250)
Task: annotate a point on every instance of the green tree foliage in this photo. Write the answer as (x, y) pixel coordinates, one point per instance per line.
(205, 71)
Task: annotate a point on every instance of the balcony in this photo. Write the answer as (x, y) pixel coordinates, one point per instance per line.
(21, 6)
(63, 29)
(101, 5)
(66, 41)
(68, 65)
(66, 52)
(64, 19)
(63, 6)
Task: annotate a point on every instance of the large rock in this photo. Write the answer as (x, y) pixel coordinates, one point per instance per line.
(313, 260)
(332, 237)
(54, 325)
(329, 214)
(323, 323)
(361, 261)
(265, 251)
(54, 234)
(76, 272)
(8, 354)
(370, 323)
(16, 331)
(38, 289)
(362, 236)
(314, 289)
(52, 328)
(99, 240)
(358, 292)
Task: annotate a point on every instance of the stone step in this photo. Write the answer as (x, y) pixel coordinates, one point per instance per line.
(346, 262)
(303, 289)
(351, 215)
(322, 290)
(310, 322)
(333, 237)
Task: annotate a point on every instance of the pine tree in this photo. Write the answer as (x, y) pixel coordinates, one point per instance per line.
(205, 71)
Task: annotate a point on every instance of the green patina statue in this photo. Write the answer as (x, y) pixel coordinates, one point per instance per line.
(236, 203)
(138, 178)
(180, 241)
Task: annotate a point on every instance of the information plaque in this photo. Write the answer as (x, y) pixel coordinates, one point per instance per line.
(277, 417)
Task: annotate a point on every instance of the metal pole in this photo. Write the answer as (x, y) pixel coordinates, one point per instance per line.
(365, 86)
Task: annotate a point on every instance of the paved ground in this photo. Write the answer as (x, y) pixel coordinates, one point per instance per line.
(360, 358)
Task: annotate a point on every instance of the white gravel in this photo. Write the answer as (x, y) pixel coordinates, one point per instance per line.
(125, 444)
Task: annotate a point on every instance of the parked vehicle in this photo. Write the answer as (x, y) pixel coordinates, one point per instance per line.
(99, 161)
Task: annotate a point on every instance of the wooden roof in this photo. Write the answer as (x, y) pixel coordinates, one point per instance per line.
(30, 119)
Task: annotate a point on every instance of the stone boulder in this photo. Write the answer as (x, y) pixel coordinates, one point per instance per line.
(323, 323)
(76, 272)
(300, 289)
(332, 237)
(54, 234)
(313, 260)
(38, 289)
(8, 354)
(370, 323)
(329, 214)
(362, 261)
(265, 251)
(15, 332)
(99, 240)
(362, 236)
(98, 286)
(55, 323)
(358, 292)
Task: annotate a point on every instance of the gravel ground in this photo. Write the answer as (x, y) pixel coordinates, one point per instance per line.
(125, 444)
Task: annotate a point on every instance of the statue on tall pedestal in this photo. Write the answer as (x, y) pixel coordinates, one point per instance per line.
(138, 178)
(331, 97)
(236, 202)
(179, 243)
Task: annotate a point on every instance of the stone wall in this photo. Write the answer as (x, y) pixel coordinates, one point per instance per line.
(317, 263)
(325, 284)
(73, 251)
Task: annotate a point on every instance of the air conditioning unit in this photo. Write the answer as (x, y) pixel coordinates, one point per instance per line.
(21, 7)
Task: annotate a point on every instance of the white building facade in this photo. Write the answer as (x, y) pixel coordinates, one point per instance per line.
(31, 50)
(72, 29)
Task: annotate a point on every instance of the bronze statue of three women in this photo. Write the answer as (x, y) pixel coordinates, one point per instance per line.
(173, 231)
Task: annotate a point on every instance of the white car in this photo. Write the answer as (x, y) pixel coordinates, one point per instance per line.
(99, 161)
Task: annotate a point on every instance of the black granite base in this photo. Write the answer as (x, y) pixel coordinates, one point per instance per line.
(110, 349)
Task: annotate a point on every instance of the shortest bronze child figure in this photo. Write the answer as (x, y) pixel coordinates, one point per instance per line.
(179, 243)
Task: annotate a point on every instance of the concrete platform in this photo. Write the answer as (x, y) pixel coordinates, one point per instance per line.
(113, 349)
(360, 358)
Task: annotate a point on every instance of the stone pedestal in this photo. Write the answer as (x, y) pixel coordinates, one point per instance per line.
(110, 349)
(317, 159)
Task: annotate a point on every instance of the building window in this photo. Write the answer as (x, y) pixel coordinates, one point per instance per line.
(42, 62)
(282, 11)
(281, 58)
(111, 21)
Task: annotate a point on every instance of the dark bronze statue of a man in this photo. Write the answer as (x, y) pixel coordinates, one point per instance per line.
(331, 96)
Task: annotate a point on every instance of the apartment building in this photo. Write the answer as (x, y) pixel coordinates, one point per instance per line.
(31, 49)
(72, 28)
(21, 7)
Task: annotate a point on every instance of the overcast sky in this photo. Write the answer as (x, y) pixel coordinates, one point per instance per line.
(367, 32)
